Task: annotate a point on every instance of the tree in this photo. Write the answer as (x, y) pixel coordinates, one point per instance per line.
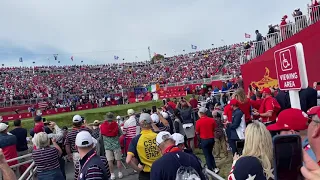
(157, 57)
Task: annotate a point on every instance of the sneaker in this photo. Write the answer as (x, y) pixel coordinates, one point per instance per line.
(120, 175)
(216, 170)
(112, 177)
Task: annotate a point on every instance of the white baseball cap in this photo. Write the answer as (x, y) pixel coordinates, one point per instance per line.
(165, 115)
(76, 118)
(178, 138)
(162, 136)
(203, 110)
(145, 118)
(84, 139)
(155, 118)
(130, 112)
(118, 117)
(3, 127)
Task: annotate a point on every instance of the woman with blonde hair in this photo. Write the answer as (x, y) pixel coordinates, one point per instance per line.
(46, 158)
(244, 105)
(257, 156)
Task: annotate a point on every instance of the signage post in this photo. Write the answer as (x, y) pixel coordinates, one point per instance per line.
(291, 71)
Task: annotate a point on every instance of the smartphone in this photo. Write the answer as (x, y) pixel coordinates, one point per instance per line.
(287, 155)
(239, 146)
(154, 109)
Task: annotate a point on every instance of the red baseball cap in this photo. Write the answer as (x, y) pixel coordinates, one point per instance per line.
(234, 102)
(266, 90)
(290, 119)
(315, 110)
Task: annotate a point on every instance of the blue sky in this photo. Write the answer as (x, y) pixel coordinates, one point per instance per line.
(94, 31)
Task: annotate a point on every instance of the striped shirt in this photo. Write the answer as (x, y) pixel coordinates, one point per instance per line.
(71, 137)
(130, 127)
(46, 158)
(93, 169)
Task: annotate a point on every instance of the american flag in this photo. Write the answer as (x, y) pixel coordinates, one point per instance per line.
(42, 105)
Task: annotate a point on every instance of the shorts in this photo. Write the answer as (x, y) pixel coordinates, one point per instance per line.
(113, 155)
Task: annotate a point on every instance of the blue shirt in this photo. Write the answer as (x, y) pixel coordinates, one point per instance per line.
(161, 169)
(21, 135)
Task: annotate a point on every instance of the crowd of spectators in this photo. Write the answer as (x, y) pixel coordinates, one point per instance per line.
(27, 83)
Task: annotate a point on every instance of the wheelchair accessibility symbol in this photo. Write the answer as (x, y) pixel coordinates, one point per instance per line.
(285, 60)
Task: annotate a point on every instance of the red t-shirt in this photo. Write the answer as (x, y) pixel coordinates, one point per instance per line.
(228, 112)
(246, 109)
(268, 105)
(205, 127)
(194, 103)
(172, 105)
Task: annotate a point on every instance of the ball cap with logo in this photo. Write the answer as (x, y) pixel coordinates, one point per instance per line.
(163, 136)
(290, 119)
(84, 139)
(266, 90)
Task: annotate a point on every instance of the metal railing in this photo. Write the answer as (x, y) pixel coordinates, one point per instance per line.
(213, 175)
(286, 31)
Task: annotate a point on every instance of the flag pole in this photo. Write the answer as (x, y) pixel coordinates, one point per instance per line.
(149, 53)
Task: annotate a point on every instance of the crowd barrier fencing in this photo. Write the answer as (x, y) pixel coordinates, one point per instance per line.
(31, 170)
(285, 32)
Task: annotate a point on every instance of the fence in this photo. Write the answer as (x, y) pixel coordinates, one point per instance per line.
(285, 32)
(31, 170)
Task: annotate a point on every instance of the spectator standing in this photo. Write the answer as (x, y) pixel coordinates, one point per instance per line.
(46, 158)
(91, 165)
(257, 156)
(193, 101)
(185, 110)
(8, 143)
(269, 108)
(171, 104)
(38, 121)
(237, 127)
(21, 135)
(244, 104)
(111, 132)
(143, 147)
(205, 128)
(220, 146)
(178, 159)
(5, 170)
(96, 134)
(259, 49)
(78, 125)
(130, 128)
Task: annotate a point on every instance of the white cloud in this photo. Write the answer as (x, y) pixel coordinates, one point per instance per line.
(126, 28)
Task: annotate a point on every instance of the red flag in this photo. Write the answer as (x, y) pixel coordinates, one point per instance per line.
(247, 35)
(72, 58)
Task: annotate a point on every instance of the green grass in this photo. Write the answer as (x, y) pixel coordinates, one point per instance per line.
(65, 119)
(90, 115)
(223, 164)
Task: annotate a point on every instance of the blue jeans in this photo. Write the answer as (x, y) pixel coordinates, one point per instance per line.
(233, 146)
(207, 147)
(53, 174)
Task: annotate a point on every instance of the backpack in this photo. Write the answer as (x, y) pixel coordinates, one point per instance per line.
(109, 129)
(186, 173)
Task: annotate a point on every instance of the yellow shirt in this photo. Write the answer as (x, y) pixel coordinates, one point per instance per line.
(144, 148)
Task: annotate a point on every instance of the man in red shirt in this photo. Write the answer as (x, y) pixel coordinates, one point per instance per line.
(269, 108)
(171, 104)
(205, 128)
(193, 101)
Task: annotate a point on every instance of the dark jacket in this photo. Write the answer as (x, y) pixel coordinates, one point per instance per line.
(308, 99)
(236, 120)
